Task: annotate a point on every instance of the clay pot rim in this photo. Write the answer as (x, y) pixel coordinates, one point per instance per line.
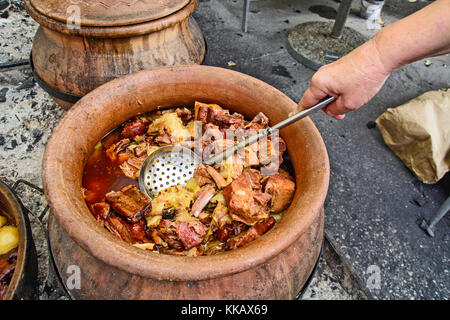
(113, 32)
(91, 237)
(100, 15)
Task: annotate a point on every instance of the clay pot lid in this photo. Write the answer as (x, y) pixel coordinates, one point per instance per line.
(108, 13)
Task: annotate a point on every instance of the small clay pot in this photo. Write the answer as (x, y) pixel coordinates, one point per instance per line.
(274, 266)
(24, 280)
(114, 38)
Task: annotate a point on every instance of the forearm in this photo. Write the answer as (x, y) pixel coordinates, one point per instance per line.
(355, 78)
(423, 34)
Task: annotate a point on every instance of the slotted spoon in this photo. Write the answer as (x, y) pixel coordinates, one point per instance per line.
(174, 165)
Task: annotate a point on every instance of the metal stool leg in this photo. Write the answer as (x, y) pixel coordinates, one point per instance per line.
(445, 207)
(245, 15)
(341, 18)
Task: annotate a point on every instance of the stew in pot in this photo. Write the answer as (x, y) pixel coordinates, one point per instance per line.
(223, 207)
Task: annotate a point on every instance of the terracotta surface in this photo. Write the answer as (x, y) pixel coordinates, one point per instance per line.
(281, 277)
(106, 13)
(113, 31)
(79, 60)
(295, 240)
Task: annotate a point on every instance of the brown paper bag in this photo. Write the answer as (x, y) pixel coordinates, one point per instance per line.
(418, 132)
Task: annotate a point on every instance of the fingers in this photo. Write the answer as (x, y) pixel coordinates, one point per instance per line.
(324, 84)
(311, 97)
(331, 114)
(341, 106)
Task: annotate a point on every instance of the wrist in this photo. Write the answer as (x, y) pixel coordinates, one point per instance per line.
(378, 45)
(368, 61)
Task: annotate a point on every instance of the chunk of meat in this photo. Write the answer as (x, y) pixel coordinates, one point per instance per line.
(204, 217)
(165, 138)
(191, 233)
(211, 148)
(238, 168)
(100, 211)
(202, 176)
(230, 230)
(202, 200)
(218, 116)
(128, 232)
(182, 234)
(248, 157)
(201, 111)
(222, 234)
(261, 119)
(116, 226)
(156, 238)
(168, 233)
(262, 197)
(134, 128)
(185, 115)
(211, 130)
(272, 153)
(254, 178)
(217, 177)
(138, 231)
(281, 145)
(132, 166)
(116, 149)
(231, 169)
(128, 170)
(282, 189)
(259, 122)
(142, 149)
(251, 234)
(223, 117)
(130, 203)
(240, 201)
(137, 161)
(272, 159)
(221, 216)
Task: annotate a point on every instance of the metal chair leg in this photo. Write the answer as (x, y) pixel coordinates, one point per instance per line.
(341, 18)
(245, 15)
(445, 207)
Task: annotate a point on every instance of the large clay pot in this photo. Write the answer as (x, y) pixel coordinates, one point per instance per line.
(115, 38)
(275, 266)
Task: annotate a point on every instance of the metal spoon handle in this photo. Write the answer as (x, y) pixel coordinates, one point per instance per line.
(266, 132)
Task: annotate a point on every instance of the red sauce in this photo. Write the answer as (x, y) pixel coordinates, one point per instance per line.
(101, 176)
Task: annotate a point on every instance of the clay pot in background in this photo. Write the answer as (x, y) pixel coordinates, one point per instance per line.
(274, 266)
(115, 38)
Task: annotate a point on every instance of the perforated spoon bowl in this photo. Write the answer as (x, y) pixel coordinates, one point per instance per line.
(174, 165)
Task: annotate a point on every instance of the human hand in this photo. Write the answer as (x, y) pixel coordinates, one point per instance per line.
(353, 80)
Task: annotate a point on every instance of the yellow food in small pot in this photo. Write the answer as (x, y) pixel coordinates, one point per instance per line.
(9, 239)
(3, 221)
